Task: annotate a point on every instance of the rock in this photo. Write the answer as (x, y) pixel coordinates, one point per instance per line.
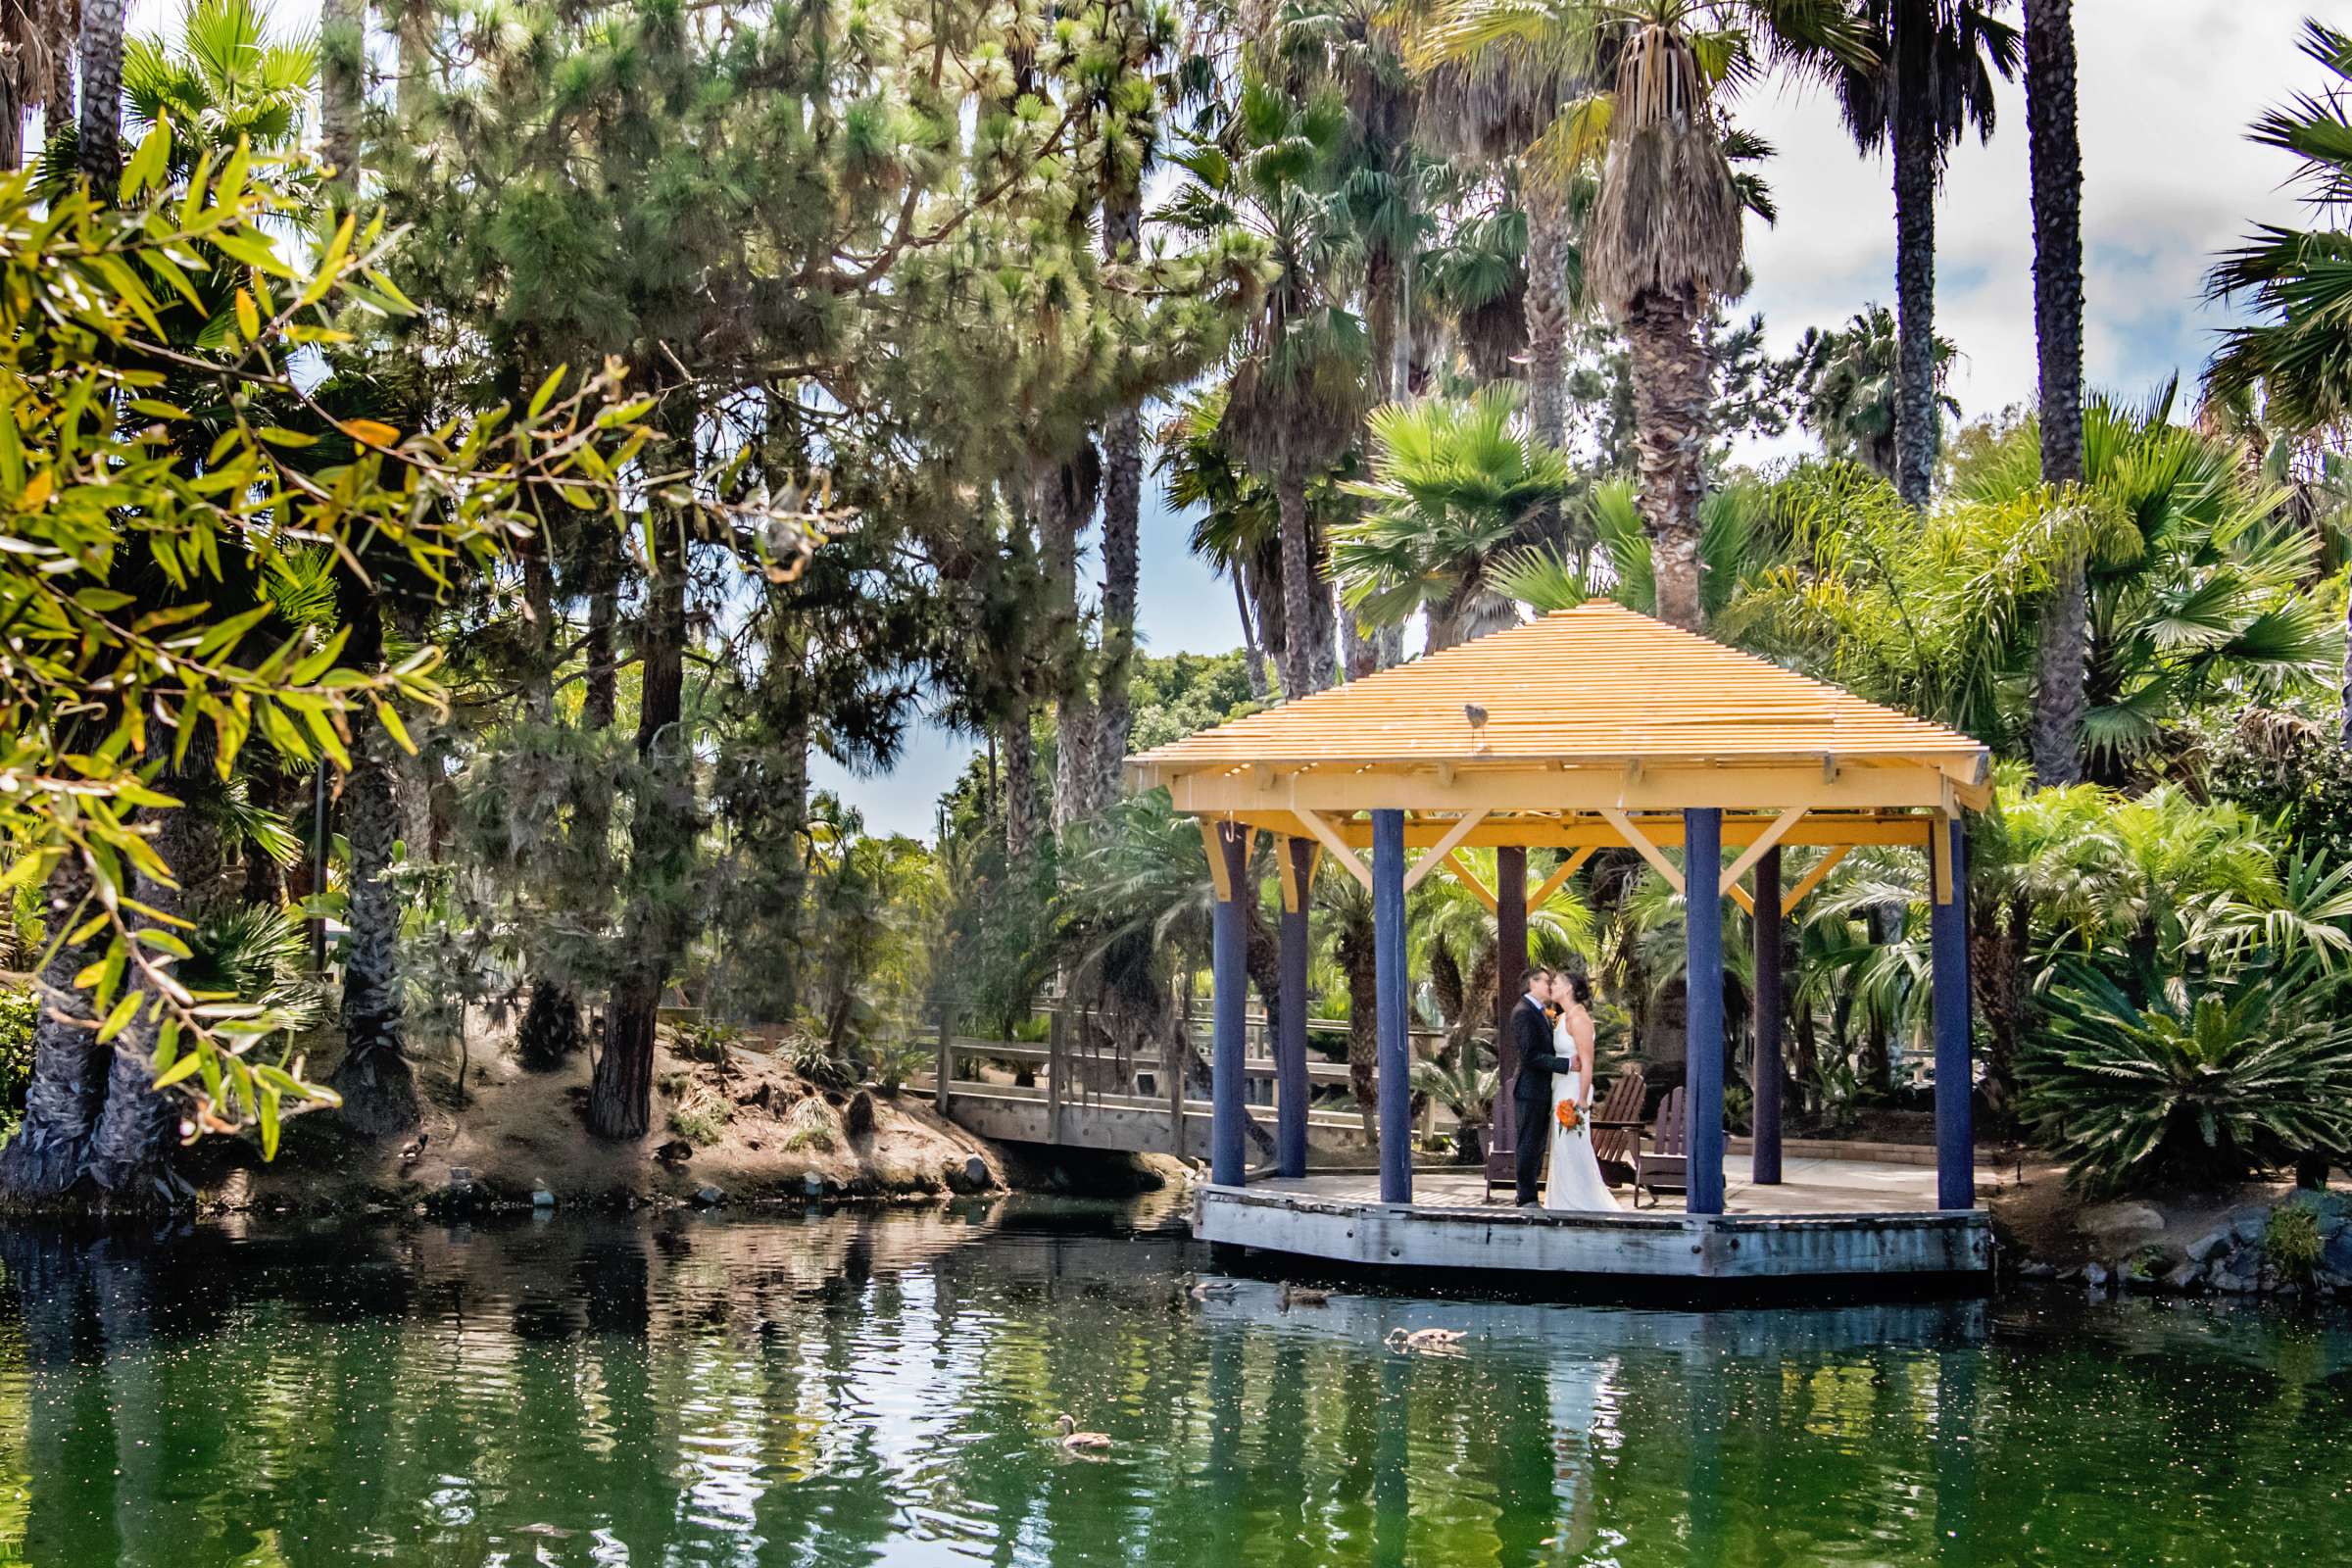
(813, 1184)
(461, 1176)
(541, 1197)
(2333, 1225)
(2149, 1264)
(976, 1172)
(2115, 1224)
(677, 1151)
(2230, 1283)
(2036, 1269)
(2252, 1226)
(709, 1197)
(2096, 1276)
(2205, 1245)
(2187, 1277)
(2336, 1255)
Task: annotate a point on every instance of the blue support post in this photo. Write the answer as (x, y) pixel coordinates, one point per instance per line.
(1947, 936)
(1702, 1089)
(1290, 1040)
(1769, 1071)
(1388, 983)
(1228, 1160)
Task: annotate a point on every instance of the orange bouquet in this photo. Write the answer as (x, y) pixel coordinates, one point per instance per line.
(1570, 1118)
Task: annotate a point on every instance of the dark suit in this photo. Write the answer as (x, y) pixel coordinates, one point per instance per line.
(1531, 1092)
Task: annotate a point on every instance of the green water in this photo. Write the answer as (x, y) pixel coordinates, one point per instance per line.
(880, 1388)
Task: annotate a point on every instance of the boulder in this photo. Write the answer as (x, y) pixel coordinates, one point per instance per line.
(2096, 1276)
(813, 1184)
(2336, 1256)
(2187, 1277)
(2212, 1242)
(709, 1197)
(2116, 1225)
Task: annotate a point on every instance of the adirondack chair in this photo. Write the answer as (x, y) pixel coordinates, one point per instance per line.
(1667, 1168)
(1617, 1125)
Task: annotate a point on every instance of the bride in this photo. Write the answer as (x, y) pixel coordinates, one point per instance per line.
(1575, 1175)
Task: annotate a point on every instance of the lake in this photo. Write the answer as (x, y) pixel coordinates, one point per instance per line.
(880, 1387)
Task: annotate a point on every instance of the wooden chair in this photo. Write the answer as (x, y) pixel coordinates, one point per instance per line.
(1667, 1168)
(1617, 1125)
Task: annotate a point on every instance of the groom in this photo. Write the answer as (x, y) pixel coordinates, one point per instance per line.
(1530, 1091)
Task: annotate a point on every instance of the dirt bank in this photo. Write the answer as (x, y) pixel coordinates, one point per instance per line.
(741, 1130)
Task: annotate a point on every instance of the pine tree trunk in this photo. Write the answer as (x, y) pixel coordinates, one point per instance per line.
(379, 1097)
(1547, 313)
(68, 1088)
(101, 122)
(1915, 161)
(2062, 667)
(1021, 788)
(598, 699)
(1669, 397)
(661, 851)
(1305, 657)
(342, 68)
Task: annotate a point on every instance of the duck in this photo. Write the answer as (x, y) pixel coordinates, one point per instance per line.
(1078, 1442)
(413, 1151)
(1426, 1342)
(1201, 1290)
(1302, 1295)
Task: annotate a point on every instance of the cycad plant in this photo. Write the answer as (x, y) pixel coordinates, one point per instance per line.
(2197, 1085)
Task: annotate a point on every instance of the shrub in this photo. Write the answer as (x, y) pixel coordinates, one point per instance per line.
(703, 1041)
(2250, 1073)
(812, 1058)
(698, 1125)
(810, 1126)
(2291, 1241)
(891, 1063)
(18, 1012)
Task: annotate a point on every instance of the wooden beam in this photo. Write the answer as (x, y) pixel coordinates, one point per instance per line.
(1586, 830)
(1558, 879)
(1940, 863)
(1444, 847)
(1767, 788)
(1314, 823)
(1217, 876)
(1764, 841)
(1812, 878)
(1650, 852)
(1463, 874)
(1740, 896)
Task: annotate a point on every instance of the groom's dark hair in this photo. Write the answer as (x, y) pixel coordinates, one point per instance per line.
(1527, 981)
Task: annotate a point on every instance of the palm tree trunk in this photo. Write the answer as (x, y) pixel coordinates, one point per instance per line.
(1356, 961)
(342, 64)
(1064, 500)
(1021, 787)
(379, 1098)
(662, 833)
(2054, 148)
(67, 1089)
(1305, 657)
(101, 124)
(1915, 159)
(1548, 311)
(1670, 402)
(1254, 658)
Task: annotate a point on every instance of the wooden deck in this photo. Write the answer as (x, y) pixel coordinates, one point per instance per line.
(1830, 1224)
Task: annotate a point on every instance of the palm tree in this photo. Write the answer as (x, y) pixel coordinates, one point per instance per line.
(1297, 390)
(1848, 385)
(99, 133)
(2299, 353)
(1929, 82)
(1453, 484)
(2055, 153)
(32, 51)
(1239, 529)
(1664, 240)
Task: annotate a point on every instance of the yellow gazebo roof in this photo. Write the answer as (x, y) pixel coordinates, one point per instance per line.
(1587, 727)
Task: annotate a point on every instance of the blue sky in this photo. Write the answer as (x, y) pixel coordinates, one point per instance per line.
(2167, 90)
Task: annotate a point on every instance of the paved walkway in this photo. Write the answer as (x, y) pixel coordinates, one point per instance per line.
(1807, 1186)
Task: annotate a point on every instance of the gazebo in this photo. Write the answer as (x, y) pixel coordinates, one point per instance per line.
(1587, 728)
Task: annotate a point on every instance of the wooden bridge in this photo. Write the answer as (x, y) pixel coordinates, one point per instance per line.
(1078, 1098)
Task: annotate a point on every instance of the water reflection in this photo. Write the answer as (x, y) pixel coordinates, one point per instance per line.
(881, 1387)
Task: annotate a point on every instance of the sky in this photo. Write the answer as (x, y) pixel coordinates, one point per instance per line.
(2167, 89)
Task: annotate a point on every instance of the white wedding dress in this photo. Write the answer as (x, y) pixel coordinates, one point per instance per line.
(1573, 1177)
